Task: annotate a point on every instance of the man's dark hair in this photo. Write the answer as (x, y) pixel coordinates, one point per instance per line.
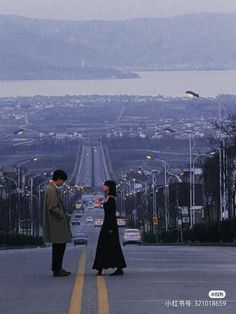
(112, 187)
(59, 175)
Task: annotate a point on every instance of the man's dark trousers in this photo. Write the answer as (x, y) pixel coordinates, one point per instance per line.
(58, 250)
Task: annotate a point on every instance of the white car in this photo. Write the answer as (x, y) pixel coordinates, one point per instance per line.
(132, 236)
(80, 238)
(89, 220)
(98, 222)
(121, 222)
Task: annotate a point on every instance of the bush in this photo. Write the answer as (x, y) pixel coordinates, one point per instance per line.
(212, 232)
(199, 232)
(19, 239)
(149, 237)
(188, 235)
(170, 236)
(233, 227)
(226, 234)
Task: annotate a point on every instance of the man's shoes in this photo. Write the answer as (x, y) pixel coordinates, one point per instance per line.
(61, 273)
(118, 272)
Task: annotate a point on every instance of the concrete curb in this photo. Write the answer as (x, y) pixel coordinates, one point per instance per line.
(2, 248)
(190, 244)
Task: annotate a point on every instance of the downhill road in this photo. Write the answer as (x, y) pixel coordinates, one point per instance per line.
(93, 170)
(155, 275)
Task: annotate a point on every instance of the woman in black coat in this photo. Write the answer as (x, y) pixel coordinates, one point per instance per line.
(109, 253)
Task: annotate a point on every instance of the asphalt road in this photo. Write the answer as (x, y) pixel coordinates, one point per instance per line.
(100, 167)
(154, 276)
(84, 176)
(92, 170)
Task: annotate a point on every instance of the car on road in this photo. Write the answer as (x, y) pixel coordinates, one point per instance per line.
(98, 222)
(121, 222)
(78, 215)
(89, 220)
(132, 236)
(75, 221)
(80, 238)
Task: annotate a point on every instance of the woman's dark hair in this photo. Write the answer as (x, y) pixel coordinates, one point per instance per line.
(112, 187)
(59, 175)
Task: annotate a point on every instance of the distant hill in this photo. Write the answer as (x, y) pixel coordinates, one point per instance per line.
(33, 48)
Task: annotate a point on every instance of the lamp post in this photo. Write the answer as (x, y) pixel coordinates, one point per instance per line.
(154, 191)
(18, 171)
(165, 183)
(191, 138)
(222, 175)
(194, 192)
(10, 205)
(126, 189)
(39, 229)
(31, 212)
(220, 105)
(191, 147)
(142, 182)
(18, 132)
(154, 204)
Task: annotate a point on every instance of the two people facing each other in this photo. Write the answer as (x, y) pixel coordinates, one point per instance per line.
(57, 231)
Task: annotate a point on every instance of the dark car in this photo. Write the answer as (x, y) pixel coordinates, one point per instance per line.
(75, 222)
(80, 238)
(78, 215)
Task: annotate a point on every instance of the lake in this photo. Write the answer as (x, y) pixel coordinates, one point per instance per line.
(166, 83)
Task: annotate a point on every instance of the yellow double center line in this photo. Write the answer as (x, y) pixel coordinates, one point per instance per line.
(77, 294)
(103, 302)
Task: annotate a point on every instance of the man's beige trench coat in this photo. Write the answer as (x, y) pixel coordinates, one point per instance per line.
(56, 228)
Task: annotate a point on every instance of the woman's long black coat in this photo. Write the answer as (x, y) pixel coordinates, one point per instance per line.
(109, 253)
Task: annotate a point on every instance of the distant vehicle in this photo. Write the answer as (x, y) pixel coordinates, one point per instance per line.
(78, 205)
(132, 236)
(78, 215)
(98, 222)
(121, 222)
(89, 220)
(75, 222)
(80, 238)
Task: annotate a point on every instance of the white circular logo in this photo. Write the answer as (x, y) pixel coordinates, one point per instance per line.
(217, 294)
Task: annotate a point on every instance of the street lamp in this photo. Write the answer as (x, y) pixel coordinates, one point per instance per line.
(165, 183)
(20, 190)
(18, 132)
(21, 164)
(194, 194)
(10, 205)
(155, 190)
(222, 175)
(191, 147)
(31, 180)
(142, 182)
(192, 94)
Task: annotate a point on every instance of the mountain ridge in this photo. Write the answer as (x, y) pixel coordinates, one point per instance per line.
(204, 41)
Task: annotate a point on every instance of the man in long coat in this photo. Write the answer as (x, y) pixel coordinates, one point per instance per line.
(55, 223)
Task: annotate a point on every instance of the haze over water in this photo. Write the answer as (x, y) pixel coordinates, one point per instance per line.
(166, 83)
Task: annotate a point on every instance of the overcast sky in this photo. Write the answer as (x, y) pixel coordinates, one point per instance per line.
(112, 9)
